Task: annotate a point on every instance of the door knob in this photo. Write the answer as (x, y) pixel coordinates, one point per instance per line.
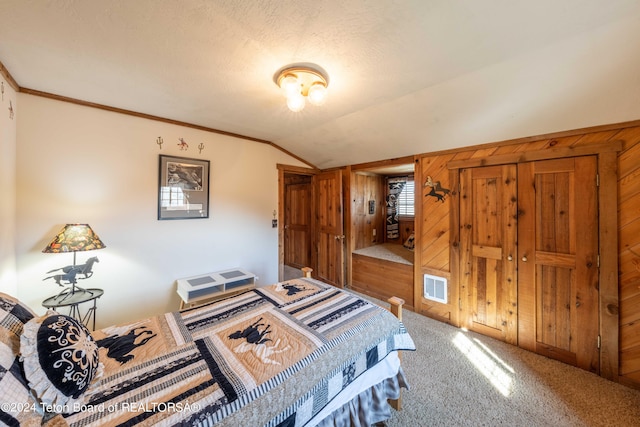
(524, 258)
(510, 258)
(339, 237)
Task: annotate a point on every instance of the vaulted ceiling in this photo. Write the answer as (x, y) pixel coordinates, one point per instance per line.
(406, 76)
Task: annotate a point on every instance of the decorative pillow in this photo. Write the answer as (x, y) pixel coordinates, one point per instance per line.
(410, 244)
(13, 316)
(18, 406)
(14, 389)
(60, 360)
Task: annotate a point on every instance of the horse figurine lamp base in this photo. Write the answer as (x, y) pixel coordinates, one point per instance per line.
(70, 275)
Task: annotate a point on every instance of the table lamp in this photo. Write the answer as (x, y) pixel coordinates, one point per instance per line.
(74, 238)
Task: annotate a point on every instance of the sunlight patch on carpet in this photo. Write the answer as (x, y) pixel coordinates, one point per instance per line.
(499, 374)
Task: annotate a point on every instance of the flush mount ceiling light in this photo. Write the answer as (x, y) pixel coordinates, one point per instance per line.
(300, 83)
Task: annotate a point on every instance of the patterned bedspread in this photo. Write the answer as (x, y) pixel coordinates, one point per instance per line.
(271, 356)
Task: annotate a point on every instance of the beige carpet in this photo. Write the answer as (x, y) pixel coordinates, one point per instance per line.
(388, 251)
(460, 378)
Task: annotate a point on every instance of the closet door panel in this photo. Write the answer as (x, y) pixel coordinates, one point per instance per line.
(488, 242)
(329, 228)
(557, 267)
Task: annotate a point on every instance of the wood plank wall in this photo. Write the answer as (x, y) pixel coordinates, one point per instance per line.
(366, 187)
(406, 227)
(433, 228)
(629, 254)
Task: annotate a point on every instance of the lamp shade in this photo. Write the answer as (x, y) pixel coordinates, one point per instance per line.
(74, 238)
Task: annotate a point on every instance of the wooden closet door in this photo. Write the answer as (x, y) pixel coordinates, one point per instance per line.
(329, 230)
(488, 278)
(297, 225)
(558, 257)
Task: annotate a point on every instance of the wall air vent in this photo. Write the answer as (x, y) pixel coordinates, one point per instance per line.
(435, 288)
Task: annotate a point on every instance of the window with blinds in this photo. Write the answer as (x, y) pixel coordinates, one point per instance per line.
(406, 200)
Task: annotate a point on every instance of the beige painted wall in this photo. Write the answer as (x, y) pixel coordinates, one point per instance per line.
(8, 283)
(80, 164)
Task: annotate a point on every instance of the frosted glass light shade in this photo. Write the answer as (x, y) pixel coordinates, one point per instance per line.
(317, 94)
(295, 102)
(290, 86)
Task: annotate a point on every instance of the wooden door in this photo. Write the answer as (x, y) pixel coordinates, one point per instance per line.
(297, 223)
(558, 260)
(328, 226)
(488, 228)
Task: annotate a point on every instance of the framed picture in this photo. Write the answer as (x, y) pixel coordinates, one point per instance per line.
(183, 188)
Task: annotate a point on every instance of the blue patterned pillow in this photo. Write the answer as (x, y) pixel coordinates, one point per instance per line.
(60, 360)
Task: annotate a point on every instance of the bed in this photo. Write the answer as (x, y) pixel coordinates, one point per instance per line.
(294, 353)
(383, 271)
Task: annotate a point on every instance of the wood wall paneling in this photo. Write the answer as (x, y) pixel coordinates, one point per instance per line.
(437, 232)
(628, 254)
(433, 235)
(367, 229)
(383, 279)
(406, 226)
(626, 234)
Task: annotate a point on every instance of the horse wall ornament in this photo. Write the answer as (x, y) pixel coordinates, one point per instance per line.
(437, 190)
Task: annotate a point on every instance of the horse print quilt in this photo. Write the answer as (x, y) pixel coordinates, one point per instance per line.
(272, 356)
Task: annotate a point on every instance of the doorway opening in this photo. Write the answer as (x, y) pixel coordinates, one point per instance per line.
(382, 237)
(295, 239)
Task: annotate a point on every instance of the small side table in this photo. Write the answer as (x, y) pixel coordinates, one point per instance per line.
(73, 301)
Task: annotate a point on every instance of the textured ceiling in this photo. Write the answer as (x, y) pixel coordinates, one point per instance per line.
(406, 77)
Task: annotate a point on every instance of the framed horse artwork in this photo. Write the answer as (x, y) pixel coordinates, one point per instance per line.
(183, 188)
